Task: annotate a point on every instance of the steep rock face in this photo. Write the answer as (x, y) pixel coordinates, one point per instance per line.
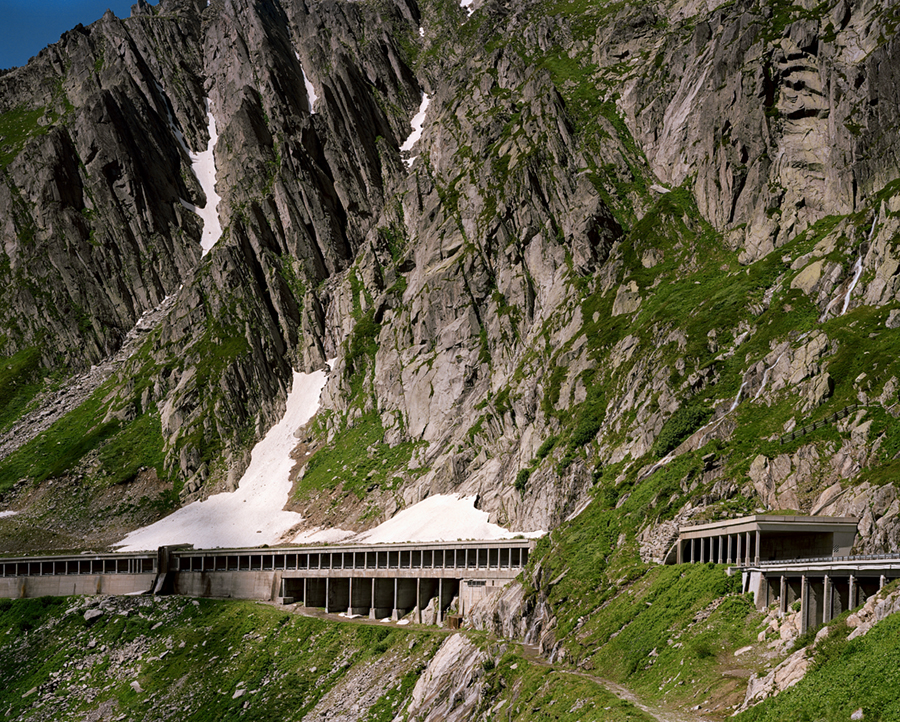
(101, 233)
(448, 688)
(568, 282)
(766, 114)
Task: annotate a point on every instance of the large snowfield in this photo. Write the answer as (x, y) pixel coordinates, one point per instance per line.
(253, 514)
(443, 517)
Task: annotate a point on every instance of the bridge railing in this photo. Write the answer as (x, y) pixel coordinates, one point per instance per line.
(811, 560)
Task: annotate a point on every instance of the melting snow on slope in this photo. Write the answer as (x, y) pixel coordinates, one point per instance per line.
(7, 513)
(467, 4)
(418, 122)
(204, 166)
(252, 515)
(443, 517)
(310, 90)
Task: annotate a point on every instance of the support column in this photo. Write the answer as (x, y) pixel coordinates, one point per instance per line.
(418, 600)
(440, 600)
(804, 605)
(881, 582)
(757, 546)
(327, 595)
(738, 558)
(691, 552)
(782, 599)
(394, 614)
(827, 599)
(852, 594)
(728, 559)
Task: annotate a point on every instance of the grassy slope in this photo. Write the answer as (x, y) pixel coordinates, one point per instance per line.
(863, 673)
(191, 658)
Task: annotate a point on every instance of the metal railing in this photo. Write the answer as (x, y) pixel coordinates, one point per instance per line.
(813, 560)
(804, 430)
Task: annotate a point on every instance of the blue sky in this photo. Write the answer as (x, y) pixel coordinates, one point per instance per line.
(27, 26)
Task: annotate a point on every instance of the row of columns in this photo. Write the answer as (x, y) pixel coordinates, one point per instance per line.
(512, 557)
(376, 597)
(724, 549)
(67, 567)
(821, 598)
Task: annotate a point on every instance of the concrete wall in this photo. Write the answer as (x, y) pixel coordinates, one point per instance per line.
(470, 593)
(64, 585)
(234, 585)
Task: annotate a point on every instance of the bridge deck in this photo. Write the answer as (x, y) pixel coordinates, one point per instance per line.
(378, 579)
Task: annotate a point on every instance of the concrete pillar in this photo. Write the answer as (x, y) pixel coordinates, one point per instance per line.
(737, 554)
(757, 547)
(804, 605)
(852, 593)
(827, 599)
(881, 582)
(728, 561)
(691, 544)
(394, 603)
(747, 544)
(782, 597)
(440, 601)
(418, 600)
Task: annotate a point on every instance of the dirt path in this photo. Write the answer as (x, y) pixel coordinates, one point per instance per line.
(531, 653)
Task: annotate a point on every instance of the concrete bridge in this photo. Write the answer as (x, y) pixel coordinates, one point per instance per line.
(763, 537)
(785, 559)
(825, 586)
(379, 580)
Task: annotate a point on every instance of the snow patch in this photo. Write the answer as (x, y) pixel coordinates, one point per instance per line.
(418, 122)
(252, 515)
(467, 4)
(318, 535)
(310, 90)
(421, 32)
(443, 517)
(4, 514)
(204, 166)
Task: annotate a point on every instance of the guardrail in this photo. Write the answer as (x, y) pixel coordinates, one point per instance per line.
(809, 560)
(821, 423)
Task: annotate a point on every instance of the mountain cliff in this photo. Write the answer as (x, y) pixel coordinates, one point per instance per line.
(639, 267)
(620, 224)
